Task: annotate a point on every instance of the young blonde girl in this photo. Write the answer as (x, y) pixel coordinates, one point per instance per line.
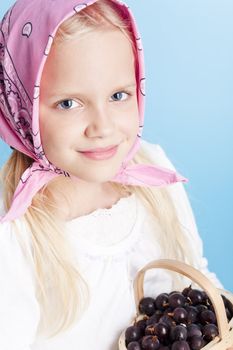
(43, 275)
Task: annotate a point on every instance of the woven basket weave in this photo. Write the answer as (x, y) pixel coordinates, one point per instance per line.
(225, 338)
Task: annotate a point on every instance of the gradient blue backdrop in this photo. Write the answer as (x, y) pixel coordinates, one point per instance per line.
(189, 112)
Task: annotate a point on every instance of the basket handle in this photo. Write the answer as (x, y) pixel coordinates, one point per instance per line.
(193, 274)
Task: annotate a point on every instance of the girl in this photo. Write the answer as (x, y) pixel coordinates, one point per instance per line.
(86, 202)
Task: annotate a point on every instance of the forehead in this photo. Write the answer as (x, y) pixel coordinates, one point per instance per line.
(99, 57)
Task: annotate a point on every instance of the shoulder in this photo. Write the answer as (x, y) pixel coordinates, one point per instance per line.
(177, 193)
(158, 156)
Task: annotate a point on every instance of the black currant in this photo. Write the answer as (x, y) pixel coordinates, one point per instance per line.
(150, 342)
(180, 345)
(192, 314)
(207, 316)
(196, 342)
(176, 299)
(161, 301)
(192, 330)
(186, 290)
(210, 331)
(154, 318)
(134, 345)
(132, 333)
(146, 306)
(180, 315)
(195, 296)
(178, 333)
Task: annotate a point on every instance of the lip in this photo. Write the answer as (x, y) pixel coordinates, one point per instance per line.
(102, 149)
(100, 153)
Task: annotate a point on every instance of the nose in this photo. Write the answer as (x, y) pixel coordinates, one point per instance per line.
(100, 123)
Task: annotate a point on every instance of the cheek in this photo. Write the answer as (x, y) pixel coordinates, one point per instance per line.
(132, 124)
(45, 126)
(130, 119)
(53, 138)
(47, 134)
(55, 131)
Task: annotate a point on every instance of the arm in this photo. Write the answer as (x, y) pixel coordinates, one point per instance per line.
(19, 310)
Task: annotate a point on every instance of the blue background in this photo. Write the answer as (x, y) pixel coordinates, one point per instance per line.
(189, 108)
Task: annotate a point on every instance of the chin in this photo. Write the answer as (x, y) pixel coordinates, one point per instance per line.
(96, 177)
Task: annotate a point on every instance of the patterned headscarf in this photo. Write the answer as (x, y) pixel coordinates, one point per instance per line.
(27, 32)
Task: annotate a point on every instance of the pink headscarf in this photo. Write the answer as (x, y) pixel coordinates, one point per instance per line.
(26, 35)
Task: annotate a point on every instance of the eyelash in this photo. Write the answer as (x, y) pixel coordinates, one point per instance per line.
(118, 92)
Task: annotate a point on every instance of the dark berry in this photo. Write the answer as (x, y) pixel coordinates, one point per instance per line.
(150, 329)
(180, 315)
(168, 311)
(134, 345)
(196, 342)
(210, 331)
(132, 333)
(141, 324)
(192, 330)
(186, 290)
(161, 301)
(146, 306)
(206, 300)
(159, 329)
(178, 333)
(207, 316)
(192, 314)
(201, 307)
(167, 320)
(154, 318)
(195, 296)
(176, 299)
(174, 291)
(162, 331)
(150, 342)
(180, 345)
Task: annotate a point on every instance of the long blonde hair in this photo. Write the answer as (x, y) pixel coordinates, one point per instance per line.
(61, 291)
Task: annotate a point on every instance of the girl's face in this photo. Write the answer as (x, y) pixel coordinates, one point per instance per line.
(88, 100)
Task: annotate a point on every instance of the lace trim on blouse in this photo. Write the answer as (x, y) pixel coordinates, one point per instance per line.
(108, 231)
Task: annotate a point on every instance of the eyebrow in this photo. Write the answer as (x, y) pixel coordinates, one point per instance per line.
(73, 93)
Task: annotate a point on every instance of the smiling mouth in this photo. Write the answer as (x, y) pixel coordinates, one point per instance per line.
(100, 153)
(100, 149)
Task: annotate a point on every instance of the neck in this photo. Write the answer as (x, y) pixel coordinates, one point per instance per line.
(77, 198)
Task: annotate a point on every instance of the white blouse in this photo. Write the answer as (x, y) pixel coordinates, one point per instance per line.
(111, 245)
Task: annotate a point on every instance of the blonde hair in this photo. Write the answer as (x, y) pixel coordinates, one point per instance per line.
(62, 292)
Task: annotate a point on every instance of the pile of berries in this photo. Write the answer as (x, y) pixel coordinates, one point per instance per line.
(176, 321)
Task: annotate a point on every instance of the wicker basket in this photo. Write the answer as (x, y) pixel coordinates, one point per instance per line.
(225, 338)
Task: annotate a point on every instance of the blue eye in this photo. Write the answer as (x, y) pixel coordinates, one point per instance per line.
(66, 104)
(119, 96)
